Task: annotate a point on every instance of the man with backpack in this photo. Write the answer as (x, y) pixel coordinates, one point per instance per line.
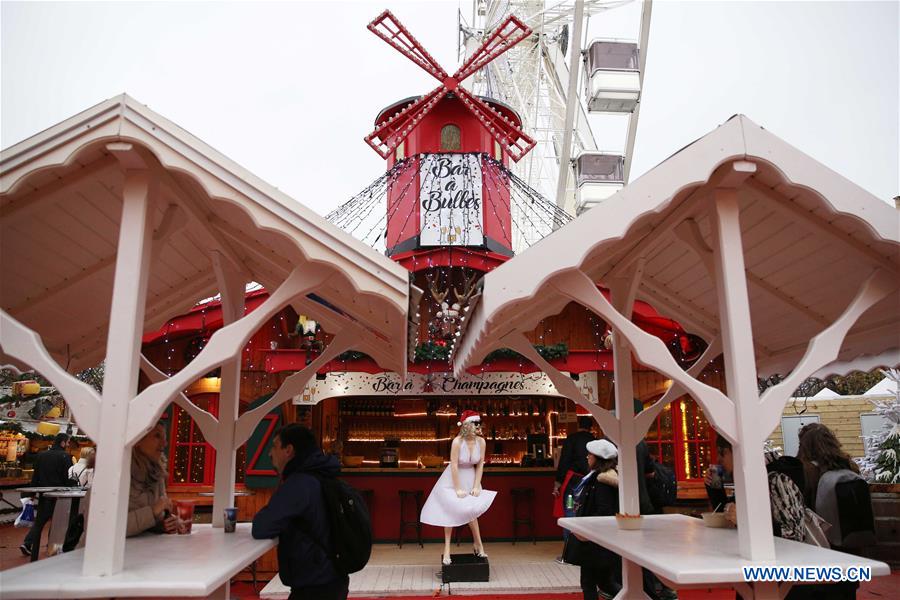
(311, 547)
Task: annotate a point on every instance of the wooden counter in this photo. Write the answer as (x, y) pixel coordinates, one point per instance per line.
(496, 523)
(199, 564)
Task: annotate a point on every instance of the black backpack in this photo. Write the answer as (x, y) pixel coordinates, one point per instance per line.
(350, 525)
(663, 487)
(843, 499)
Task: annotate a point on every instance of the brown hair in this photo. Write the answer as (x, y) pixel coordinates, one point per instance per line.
(818, 444)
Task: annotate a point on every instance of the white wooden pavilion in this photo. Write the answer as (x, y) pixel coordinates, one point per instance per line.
(112, 222)
(735, 236)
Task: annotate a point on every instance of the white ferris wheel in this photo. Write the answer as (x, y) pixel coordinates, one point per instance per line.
(558, 110)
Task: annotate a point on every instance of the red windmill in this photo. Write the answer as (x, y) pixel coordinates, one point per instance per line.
(391, 132)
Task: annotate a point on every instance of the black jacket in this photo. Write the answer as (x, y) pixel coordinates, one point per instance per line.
(597, 500)
(644, 465)
(51, 468)
(574, 454)
(297, 516)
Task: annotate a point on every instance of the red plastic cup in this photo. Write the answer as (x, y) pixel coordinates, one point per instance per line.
(184, 510)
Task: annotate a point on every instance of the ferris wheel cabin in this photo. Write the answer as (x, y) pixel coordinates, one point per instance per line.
(613, 82)
(598, 175)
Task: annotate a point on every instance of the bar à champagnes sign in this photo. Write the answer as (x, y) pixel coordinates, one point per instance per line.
(435, 384)
(451, 212)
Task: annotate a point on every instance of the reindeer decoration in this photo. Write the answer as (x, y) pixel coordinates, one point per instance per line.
(446, 320)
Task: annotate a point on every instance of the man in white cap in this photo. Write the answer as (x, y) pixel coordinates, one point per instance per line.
(597, 495)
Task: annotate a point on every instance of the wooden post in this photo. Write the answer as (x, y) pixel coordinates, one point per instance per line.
(231, 286)
(751, 484)
(108, 515)
(629, 492)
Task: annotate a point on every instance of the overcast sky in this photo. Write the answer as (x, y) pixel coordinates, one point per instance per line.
(288, 90)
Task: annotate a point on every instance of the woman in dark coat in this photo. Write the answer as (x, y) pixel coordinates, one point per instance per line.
(597, 495)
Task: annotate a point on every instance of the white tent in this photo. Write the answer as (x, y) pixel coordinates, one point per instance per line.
(730, 236)
(885, 387)
(826, 394)
(115, 220)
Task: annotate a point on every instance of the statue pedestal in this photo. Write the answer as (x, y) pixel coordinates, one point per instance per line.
(466, 567)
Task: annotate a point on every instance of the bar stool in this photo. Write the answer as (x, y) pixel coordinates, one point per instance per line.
(523, 511)
(457, 530)
(405, 521)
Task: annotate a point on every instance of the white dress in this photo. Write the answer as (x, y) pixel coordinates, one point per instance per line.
(443, 508)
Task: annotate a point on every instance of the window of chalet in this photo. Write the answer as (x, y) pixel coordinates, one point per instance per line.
(192, 460)
(683, 439)
(451, 139)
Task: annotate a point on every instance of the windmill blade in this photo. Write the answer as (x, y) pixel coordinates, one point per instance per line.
(391, 30)
(508, 34)
(515, 141)
(387, 136)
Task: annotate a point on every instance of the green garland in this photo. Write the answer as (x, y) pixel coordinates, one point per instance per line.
(560, 350)
(431, 351)
(427, 351)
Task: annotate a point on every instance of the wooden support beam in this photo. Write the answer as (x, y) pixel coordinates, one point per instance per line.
(629, 499)
(201, 217)
(648, 349)
(564, 384)
(730, 175)
(294, 384)
(107, 519)
(225, 344)
(23, 344)
(269, 256)
(649, 414)
(231, 286)
(825, 347)
(754, 518)
(203, 419)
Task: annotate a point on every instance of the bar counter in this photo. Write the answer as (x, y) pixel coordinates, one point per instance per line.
(496, 524)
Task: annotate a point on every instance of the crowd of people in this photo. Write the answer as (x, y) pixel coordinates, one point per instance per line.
(802, 490)
(804, 497)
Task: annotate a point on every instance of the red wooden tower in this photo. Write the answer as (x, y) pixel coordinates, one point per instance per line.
(448, 201)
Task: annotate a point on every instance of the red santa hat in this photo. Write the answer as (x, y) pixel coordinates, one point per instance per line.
(469, 416)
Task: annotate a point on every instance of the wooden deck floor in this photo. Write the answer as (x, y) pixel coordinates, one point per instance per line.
(522, 568)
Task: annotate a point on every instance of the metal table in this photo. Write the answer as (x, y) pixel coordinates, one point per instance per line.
(685, 553)
(62, 514)
(59, 523)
